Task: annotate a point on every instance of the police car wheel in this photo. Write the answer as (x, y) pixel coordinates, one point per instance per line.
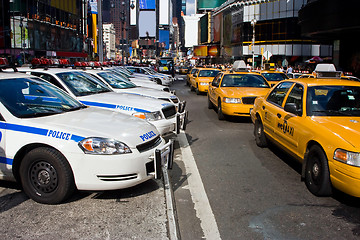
(210, 104)
(221, 115)
(260, 137)
(158, 81)
(317, 176)
(46, 176)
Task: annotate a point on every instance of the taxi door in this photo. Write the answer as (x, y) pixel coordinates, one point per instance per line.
(3, 159)
(192, 78)
(273, 106)
(289, 125)
(214, 88)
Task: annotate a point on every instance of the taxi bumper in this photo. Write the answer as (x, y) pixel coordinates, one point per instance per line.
(111, 172)
(203, 88)
(346, 178)
(236, 109)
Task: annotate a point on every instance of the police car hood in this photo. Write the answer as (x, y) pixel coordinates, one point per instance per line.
(347, 128)
(96, 122)
(244, 91)
(148, 92)
(124, 101)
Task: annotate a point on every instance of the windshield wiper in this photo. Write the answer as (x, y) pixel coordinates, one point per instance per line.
(76, 108)
(38, 114)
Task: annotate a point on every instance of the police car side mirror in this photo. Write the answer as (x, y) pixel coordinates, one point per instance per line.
(291, 108)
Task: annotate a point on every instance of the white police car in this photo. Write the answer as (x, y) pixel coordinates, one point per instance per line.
(143, 82)
(117, 84)
(53, 144)
(93, 92)
(163, 79)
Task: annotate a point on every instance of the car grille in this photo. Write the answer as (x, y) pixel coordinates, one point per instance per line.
(149, 145)
(175, 100)
(169, 111)
(248, 100)
(166, 89)
(165, 99)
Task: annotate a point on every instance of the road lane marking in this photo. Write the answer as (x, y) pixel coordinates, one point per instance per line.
(197, 191)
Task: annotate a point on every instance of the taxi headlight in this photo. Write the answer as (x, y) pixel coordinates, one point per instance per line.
(231, 100)
(350, 158)
(150, 116)
(204, 83)
(104, 146)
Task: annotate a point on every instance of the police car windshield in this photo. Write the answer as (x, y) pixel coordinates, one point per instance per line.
(115, 81)
(82, 84)
(30, 97)
(275, 76)
(333, 101)
(244, 80)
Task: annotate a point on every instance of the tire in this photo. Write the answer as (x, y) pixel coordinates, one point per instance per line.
(317, 176)
(192, 87)
(259, 134)
(221, 116)
(158, 81)
(210, 104)
(197, 90)
(46, 176)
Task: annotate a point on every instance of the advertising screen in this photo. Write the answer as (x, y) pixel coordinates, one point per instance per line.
(209, 4)
(147, 23)
(147, 4)
(200, 51)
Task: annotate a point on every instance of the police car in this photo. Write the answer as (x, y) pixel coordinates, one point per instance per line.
(92, 92)
(161, 79)
(53, 144)
(117, 84)
(143, 82)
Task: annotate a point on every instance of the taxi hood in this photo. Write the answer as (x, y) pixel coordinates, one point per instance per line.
(126, 102)
(346, 127)
(237, 92)
(96, 122)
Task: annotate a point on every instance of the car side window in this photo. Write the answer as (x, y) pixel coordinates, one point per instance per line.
(278, 94)
(48, 78)
(216, 81)
(2, 118)
(296, 96)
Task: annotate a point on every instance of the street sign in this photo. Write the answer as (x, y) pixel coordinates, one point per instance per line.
(267, 55)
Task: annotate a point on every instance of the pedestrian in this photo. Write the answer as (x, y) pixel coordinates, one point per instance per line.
(289, 69)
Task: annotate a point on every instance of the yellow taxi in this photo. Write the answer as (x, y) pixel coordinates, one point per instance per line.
(317, 121)
(273, 76)
(234, 92)
(190, 75)
(201, 79)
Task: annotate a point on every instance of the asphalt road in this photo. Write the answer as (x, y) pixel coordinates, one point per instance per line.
(254, 193)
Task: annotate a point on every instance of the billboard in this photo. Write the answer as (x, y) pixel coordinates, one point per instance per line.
(214, 50)
(164, 36)
(217, 27)
(147, 4)
(209, 4)
(164, 12)
(147, 23)
(200, 51)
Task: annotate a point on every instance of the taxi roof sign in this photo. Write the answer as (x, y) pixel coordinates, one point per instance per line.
(239, 65)
(325, 67)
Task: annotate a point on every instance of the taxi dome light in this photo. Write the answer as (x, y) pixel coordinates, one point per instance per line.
(239, 66)
(325, 67)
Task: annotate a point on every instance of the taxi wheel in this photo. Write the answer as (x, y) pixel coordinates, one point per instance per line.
(46, 176)
(197, 90)
(317, 176)
(260, 137)
(210, 104)
(192, 87)
(221, 115)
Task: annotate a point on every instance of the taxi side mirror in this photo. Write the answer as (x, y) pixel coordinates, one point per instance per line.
(292, 108)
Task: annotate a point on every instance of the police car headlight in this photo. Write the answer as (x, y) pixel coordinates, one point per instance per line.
(231, 100)
(103, 146)
(350, 158)
(204, 83)
(150, 116)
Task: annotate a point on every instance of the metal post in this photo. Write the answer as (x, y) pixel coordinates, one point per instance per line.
(100, 31)
(253, 23)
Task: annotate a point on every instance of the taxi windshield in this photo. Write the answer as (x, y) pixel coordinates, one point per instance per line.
(208, 73)
(333, 101)
(244, 80)
(82, 84)
(274, 76)
(115, 81)
(29, 97)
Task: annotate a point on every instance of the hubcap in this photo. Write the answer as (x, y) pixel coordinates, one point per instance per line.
(43, 177)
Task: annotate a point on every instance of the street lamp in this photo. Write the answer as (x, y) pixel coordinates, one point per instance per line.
(253, 23)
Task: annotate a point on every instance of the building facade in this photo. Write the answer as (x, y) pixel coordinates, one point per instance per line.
(109, 39)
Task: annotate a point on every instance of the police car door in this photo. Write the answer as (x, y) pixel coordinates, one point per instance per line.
(3, 159)
(290, 124)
